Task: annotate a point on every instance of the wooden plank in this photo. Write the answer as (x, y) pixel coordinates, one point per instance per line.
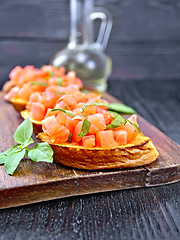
(35, 182)
(130, 60)
(136, 20)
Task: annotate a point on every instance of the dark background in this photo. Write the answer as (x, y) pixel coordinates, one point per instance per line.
(144, 44)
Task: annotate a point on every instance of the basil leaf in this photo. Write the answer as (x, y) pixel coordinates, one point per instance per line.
(118, 121)
(114, 113)
(59, 93)
(27, 142)
(51, 73)
(59, 81)
(13, 161)
(85, 128)
(93, 104)
(66, 112)
(42, 152)
(118, 107)
(24, 131)
(4, 155)
(39, 83)
(70, 137)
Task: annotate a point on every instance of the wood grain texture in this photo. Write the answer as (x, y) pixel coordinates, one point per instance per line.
(144, 43)
(34, 182)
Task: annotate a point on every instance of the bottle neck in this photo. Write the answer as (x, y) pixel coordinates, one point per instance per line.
(81, 29)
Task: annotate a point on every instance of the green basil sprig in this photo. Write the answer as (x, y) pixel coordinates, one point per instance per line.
(59, 81)
(116, 107)
(85, 128)
(12, 157)
(39, 83)
(64, 111)
(118, 121)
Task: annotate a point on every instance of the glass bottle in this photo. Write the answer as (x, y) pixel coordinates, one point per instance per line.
(83, 54)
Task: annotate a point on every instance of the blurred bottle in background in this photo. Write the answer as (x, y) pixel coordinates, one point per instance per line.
(83, 54)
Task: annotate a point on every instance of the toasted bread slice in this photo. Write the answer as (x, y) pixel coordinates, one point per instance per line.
(19, 104)
(138, 153)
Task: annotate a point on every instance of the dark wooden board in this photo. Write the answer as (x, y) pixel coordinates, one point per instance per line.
(35, 182)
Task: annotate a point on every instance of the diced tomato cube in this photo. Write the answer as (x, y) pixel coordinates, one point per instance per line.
(35, 97)
(70, 101)
(61, 118)
(71, 123)
(37, 111)
(25, 92)
(51, 113)
(13, 93)
(131, 130)
(105, 139)
(93, 129)
(88, 141)
(90, 110)
(98, 120)
(76, 131)
(15, 73)
(120, 137)
(54, 129)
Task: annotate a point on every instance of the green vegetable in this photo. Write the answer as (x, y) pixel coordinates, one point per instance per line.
(70, 137)
(85, 128)
(121, 108)
(12, 157)
(116, 122)
(59, 81)
(59, 93)
(39, 83)
(116, 107)
(51, 73)
(41, 153)
(66, 112)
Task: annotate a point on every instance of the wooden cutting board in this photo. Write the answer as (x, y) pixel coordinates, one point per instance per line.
(36, 182)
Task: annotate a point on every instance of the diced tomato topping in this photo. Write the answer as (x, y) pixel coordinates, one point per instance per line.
(71, 123)
(48, 99)
(76, 131)
(105, 139)
(90, 110)
(35, 97)
(107, 115)
(37, 111)
(88, 141)
(15, 73)
(60, 105)
(51, 113)
(13, 93)
(25, 92)
(70, 101)
(120, 137)
(131, 130)
(93, 129)
(54, 129)
(61, 118)
(98, 121)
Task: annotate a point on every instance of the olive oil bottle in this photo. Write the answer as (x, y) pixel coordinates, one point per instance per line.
(83, 54)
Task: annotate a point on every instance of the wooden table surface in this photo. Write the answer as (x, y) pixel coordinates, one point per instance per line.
(145, 213)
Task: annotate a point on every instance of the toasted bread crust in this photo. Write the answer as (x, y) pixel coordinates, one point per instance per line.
(19, 104)
(140, 152)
